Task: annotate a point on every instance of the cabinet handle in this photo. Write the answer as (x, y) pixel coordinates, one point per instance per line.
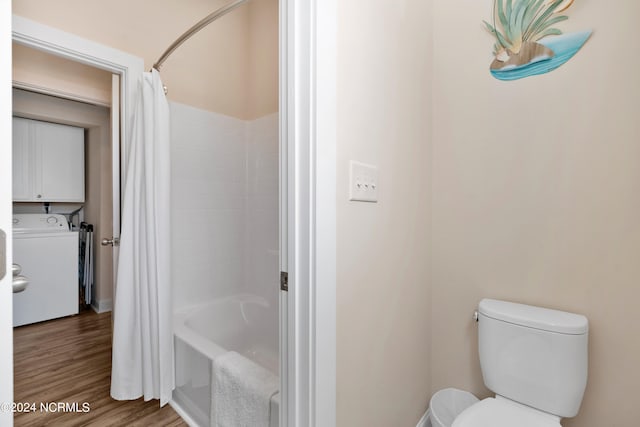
(39, 196)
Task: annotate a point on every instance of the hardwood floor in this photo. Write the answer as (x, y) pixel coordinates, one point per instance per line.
(69, 361)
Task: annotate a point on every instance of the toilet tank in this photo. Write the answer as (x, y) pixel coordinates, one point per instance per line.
(533, 355)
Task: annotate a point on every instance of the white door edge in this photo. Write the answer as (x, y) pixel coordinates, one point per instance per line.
(308, 104)
(6, 292)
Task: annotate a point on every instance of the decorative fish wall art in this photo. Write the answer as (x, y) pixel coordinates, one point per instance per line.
(527, 42)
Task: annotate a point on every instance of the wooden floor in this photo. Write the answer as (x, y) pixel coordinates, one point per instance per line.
(69, 360)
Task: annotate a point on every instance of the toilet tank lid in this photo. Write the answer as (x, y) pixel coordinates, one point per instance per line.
(535, 317)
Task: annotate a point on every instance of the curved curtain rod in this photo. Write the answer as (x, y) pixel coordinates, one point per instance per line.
(197, 27)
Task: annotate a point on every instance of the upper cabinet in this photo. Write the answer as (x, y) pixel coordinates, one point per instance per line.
(48, 162)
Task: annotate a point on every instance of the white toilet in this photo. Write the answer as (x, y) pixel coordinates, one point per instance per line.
(534, 359)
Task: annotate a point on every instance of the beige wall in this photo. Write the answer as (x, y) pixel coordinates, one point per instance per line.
(263, 58)
(383, 118)
(39, 71)
(98, 202)
(536, 197)
(212, 71)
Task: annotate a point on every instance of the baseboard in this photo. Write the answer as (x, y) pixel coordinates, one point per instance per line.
(102, 306)
(425, 421)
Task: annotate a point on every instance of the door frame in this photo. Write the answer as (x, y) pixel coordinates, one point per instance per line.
(308, 211)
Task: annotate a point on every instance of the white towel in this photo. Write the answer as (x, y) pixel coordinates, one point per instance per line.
(241, 392)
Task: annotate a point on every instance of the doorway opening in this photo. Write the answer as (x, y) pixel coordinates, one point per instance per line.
(63, 203)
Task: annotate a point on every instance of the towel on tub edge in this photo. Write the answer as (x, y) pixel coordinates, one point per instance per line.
(241, 392)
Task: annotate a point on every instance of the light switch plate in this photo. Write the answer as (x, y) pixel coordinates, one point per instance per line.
(363, 182)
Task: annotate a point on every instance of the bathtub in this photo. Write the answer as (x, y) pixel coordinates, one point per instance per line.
(246, 324)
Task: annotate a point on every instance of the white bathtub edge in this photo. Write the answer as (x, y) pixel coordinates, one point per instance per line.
(208, 348)
(183, 414)
(211, 349)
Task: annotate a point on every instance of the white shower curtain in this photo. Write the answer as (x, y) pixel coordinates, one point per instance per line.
(142, 361)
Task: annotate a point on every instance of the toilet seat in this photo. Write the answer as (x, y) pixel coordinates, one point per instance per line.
(502, 412)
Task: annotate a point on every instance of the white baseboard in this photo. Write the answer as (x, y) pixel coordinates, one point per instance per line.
(102, 306)
(425, 421)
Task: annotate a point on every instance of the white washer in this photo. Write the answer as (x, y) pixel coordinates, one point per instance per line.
(47, 251)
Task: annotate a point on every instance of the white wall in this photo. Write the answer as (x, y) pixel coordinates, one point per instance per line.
(224, 206)
(262, 239)
(208, 182)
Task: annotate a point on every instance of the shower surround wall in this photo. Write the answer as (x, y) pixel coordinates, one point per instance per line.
(262, 262)
(224, 206)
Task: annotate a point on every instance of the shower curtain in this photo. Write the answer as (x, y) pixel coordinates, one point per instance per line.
(142, 357)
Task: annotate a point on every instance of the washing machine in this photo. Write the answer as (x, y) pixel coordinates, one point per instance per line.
(47, 251)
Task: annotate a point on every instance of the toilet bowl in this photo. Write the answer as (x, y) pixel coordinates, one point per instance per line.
(534, 359)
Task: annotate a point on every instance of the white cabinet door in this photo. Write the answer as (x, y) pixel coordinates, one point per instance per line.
(59, 162)
(21, 157)
(48, 161)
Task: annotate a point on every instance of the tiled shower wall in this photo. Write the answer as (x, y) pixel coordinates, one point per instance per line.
(261, 238)
(224, 215)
